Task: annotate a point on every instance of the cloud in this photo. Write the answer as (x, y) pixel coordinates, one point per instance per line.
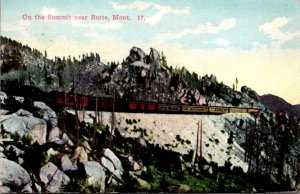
(139, 5)
(94, 25)
(49, 11)
(158, 16)
(207, 28)
(21, 26)
(219, 42)
(258, 45)
(274, 32)
(164, 10)
(45, 11)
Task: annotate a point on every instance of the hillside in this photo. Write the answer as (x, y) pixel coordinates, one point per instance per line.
(140, 76)
(276, 103)
(297, 108)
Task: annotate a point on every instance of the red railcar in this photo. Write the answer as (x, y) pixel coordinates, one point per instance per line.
(142, 106)
(71, 100)
(120, 105)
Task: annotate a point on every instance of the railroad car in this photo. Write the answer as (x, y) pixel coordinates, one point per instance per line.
(120, 105)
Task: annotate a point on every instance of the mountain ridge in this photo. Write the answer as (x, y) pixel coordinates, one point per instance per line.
(276, 103)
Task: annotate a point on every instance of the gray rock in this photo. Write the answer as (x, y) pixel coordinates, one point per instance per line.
(136, 54)
(3, 112)
(23, 123)
(54, 134)
(154, 59)
(27, 188)
(115, 160)
(67, 164)
(105, 162)
(48, 114)
(95, 174)
(14, 125)
(13, 175)
(4, 189)
(60, 141)
(52, 177)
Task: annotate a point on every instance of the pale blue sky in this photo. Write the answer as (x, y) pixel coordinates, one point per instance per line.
(225, 38)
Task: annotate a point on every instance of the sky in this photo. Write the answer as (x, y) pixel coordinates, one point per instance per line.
(256, 41)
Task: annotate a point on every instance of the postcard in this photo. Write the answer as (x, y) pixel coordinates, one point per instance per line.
(150, 96)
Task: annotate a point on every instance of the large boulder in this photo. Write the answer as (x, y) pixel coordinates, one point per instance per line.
(115, 160)
(24, 123)
(95, 173)
(13, 175)
(53, 178)
(48, 114)
(67, 164)
(58, 138)
(81, 153)
(112, 163)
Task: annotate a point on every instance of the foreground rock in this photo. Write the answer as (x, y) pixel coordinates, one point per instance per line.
(14, 176)
(67, 165)
(24, 123)
(53, 178)
(138, 183)
(95, 174)
(48, 114)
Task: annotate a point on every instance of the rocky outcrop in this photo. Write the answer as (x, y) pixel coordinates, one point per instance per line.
(136, 54)
(251, 93)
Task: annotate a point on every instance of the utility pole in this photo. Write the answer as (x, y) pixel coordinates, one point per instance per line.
(201, 131)
(196, 147)
(112, 118)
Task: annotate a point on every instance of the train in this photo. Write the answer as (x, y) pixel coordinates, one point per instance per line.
(83, 102)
